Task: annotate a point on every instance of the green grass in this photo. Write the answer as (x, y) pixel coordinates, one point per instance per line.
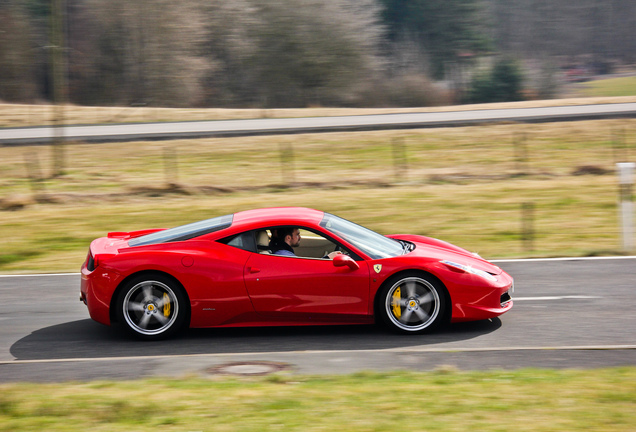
(523, 400)
(624, 86)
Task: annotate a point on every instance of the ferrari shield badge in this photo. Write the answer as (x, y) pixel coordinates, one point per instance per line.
(377, 268)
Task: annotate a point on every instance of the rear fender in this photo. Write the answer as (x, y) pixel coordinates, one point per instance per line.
(149, 274)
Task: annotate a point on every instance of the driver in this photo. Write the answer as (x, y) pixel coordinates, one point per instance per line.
(285, 239)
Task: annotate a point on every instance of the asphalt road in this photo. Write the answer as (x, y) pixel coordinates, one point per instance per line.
(567, 313)
(219, 128)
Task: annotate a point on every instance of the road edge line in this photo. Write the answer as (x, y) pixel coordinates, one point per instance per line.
(314, 352)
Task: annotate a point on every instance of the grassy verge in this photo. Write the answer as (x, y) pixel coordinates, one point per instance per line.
(24, 115)
(484, 218)
(464, 185)
(467, 154)
(524, 400)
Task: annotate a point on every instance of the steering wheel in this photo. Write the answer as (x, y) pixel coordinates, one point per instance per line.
(339, 249)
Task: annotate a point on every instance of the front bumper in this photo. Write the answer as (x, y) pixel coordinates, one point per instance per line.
(485, 302)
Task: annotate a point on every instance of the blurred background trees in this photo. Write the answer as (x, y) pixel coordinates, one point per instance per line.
(290, 52)
(141, 52)
(448, 31)
(248, 53)
(17, 54)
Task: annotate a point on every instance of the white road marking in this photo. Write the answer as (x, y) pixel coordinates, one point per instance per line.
(549, 298)
(563, 259)
(343, 352)
(492, 261)
(39, 275)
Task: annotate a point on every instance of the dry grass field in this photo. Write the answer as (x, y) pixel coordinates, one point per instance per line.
(465, 185)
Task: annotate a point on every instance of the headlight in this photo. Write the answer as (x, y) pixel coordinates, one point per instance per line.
(469, 269)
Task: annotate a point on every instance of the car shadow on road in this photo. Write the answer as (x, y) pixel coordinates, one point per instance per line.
(86, 339)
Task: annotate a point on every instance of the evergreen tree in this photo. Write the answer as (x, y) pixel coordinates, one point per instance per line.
(447, 29)
(501, 84)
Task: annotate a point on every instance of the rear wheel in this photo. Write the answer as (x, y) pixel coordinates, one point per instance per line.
(412, 303)
(151, 307)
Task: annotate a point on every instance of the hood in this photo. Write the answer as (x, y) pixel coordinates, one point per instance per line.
(427, 247)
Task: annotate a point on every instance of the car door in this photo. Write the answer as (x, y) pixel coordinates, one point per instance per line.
(295, 289)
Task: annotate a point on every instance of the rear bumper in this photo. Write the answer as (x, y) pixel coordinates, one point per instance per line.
(96, 291)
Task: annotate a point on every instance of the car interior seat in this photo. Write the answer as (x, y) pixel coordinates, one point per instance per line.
(262, 242)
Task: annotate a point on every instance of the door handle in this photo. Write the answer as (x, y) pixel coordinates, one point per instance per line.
(253, 270)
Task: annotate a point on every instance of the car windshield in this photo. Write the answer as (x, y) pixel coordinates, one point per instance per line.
(370, 242)
(185, 232)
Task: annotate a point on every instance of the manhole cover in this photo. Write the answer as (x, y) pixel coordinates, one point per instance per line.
(248, 368)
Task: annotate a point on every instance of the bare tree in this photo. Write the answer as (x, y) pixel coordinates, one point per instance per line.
(601, 30)
(293, 52)
(229, 47)
(311, 52)
(141, 52)
(17, 54)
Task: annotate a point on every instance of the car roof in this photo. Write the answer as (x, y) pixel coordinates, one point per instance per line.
(277, 216)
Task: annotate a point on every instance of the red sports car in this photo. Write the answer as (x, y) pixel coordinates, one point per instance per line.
(285, 266)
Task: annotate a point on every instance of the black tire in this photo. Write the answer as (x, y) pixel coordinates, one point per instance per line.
(151, 307)
(412, 303)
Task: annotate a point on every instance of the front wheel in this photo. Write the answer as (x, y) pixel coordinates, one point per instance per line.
(151, 307)
(412, 303)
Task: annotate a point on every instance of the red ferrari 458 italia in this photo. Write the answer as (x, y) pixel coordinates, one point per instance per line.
(285, 266)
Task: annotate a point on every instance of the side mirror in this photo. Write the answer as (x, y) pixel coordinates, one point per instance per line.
(342, 260)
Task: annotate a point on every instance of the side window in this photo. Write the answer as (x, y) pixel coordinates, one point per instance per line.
(313, 245)
(243, 241)
(310, 245)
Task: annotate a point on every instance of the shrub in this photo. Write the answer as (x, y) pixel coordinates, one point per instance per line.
(501, 84)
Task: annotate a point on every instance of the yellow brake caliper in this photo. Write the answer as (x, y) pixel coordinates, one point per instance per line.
(166, 305)
(397, 298)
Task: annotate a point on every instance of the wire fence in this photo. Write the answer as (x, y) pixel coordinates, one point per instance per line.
(530, 184)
